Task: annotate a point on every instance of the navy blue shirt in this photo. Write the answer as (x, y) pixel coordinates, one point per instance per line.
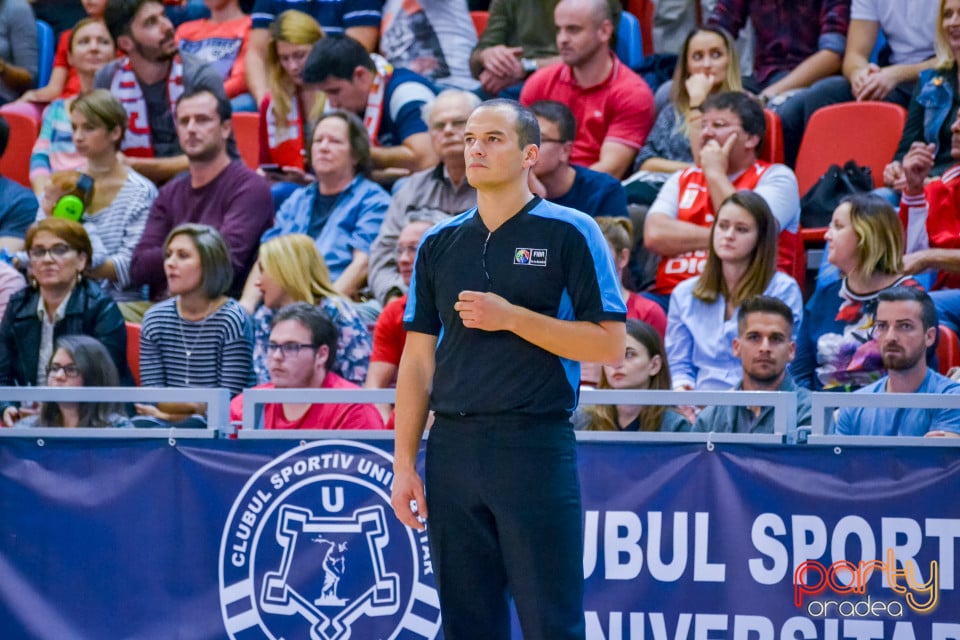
(595, 193)
(547, 258)
(335, 16)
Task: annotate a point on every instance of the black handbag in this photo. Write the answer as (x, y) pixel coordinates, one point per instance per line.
(817, 205)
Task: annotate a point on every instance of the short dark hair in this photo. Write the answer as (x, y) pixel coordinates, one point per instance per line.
(323, 330)
(337, 58)
(745, 106)
(4, 134)
(763, 304)
(560, 115)
(214, 256)
(224, 109)
(901, 293)
(528, 129)
(119, 14)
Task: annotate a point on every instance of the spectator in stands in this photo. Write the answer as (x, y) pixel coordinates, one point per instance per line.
(90, 48)
(149, 81)
(740, 264)
(678, 224)
(612, 106)
(291, 270)
(619, 235)
(343, 209)
(930, 214)
(905, 328)
(301, 354)
(835, 348)
(199, 337)
(78, 361)
(431, 37)
(388, 100)
(221, 41)
(765, 346)
(707, 64)
(644, 366)
(61, 301)
(119, 197)
(64, 80)
(11, 281)
(933, 105)
(289, 106)
(520, 38)
(357, 19)
(797, 42)
(19, 56)
(389, 336)
(554, 178)
(908, 27)
(217, 191)
(442, 189)
(18, 206)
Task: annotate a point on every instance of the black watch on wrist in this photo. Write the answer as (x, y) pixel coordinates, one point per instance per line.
(529, 65)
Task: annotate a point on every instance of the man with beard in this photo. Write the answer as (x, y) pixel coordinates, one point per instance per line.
(216, 191)
(765, 349)
(905, 327)
(148, 81)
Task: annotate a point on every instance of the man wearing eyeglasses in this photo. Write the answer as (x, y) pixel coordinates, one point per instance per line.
(300, 355)
(580, 188)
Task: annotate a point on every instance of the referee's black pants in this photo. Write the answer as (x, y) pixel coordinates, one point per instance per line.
(505, 518)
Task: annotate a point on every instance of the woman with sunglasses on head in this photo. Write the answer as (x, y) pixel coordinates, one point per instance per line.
(61, 301)
(79, 361)
(198, 337)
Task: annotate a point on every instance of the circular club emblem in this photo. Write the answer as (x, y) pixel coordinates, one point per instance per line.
(311, 549)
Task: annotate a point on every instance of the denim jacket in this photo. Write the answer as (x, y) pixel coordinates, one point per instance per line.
(936, 97)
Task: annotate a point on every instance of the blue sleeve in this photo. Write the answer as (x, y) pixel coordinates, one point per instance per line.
(373, 208)
(405, 98)
(263, 14)
(679, 340)
(421, 314)
(596, 293)
(21, 213)
(362, 13)
(844, 424)
(821, 304)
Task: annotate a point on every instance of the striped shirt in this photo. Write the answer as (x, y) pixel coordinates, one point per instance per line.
(115, 231)
(213, 352)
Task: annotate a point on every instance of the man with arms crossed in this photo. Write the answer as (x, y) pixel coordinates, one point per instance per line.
(521, 290)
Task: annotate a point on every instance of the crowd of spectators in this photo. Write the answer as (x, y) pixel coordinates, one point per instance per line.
(294, 273)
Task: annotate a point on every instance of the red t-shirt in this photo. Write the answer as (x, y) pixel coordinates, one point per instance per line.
(936, 220)
(640, 308)
(389, 336)
(619, 109)
(72, 86)
(318, 416)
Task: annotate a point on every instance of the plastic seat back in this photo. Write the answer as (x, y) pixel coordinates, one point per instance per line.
(246, 131)
(15, 162)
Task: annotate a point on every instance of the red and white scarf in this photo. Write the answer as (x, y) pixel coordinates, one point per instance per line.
(373, 115)
(284, 141)
(126, 88)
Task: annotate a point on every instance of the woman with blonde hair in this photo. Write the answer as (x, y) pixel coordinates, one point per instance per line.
(644, 366)
(707, 64)
(117, 199)
(90, 48)
(836, 350)
(289, 106)
(290, 269)
(702, 318)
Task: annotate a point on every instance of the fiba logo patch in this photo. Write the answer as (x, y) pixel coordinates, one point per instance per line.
(311, 549)
(533, 257)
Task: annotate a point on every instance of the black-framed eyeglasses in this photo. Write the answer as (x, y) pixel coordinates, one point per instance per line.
(287, 348)
(56, 251)
(69, 370)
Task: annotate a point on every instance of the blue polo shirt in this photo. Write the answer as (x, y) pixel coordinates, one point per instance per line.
(901, 421)
(547, 258)
(335, 16)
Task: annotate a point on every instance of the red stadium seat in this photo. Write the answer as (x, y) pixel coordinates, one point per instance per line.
(772, 148)
(480, 21)
(133, 350)
(246, 131)
(948, 349)
(15, 162)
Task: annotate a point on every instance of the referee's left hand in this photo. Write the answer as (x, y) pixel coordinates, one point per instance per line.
(483, 310)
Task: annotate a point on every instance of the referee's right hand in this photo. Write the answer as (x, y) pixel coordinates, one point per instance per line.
(408, 500)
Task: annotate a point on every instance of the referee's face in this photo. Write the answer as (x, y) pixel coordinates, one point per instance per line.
(493, 154)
